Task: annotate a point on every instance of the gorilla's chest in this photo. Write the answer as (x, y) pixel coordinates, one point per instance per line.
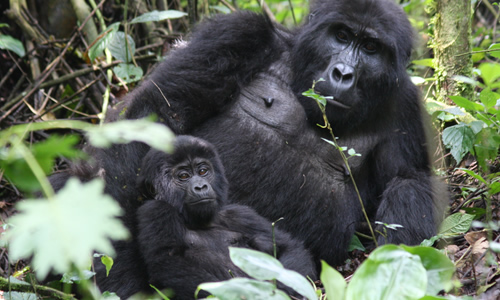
(272, 154)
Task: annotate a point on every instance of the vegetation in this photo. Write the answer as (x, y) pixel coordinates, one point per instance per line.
(56, 86)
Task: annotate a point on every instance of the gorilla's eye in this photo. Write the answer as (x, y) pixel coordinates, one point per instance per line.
(183, 176)
(370, 47)
(203, 171)
(342, 36)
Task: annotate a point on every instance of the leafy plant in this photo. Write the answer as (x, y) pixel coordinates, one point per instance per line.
(262, 267)
(61, 232)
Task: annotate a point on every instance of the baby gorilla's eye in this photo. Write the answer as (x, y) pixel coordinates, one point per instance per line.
(203, 171)
(183, 176)
(342, 36)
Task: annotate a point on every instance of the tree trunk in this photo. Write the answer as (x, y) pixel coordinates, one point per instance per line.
(452, 47)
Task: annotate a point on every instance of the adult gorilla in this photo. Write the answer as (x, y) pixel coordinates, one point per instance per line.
(238, 84)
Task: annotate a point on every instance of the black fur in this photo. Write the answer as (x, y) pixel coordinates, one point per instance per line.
(238, 84)
(185, 242)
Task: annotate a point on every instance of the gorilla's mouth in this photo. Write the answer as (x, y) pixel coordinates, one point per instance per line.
(336, 103)
(203, 201)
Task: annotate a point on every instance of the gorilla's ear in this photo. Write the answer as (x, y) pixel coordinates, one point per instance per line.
(146, 188)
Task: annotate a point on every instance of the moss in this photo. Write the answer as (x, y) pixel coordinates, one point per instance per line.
(452, 47)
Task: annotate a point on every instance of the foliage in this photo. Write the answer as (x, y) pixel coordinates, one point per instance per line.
(260, 266)
(80, 218)
(390, 272)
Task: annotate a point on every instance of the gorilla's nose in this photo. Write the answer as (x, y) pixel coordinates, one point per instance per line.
(343, 76)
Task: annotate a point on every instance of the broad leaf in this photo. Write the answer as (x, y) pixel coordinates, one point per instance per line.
(467, 104)
(460, 139)
(439, 268)
(333, 282)
(457, 223)
(120, 49)
(65, 230)
(128, 72)
(262, 266)
(9, 43)
(243, 288)
(494, 50)
(13, 159)
(155, 135)
(102, 41)
(389, 273)
(490, 72)
(489, 98)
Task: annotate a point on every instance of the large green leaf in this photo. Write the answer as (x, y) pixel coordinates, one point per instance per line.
(13, 160)
(155, 135)
(9, 43)
(122, 49)
(243, 288)
(128, 72)
(490, 72)
(389, 273)
(457, 223)
(103, 41)
(459, 139)
(439, 268)
(263, 266)
(333, 282)
(489, 98)
(65, 230)
(466, 103)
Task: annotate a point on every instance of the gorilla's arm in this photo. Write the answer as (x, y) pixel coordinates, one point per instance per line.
(411, 195)
(290, 252)
(162, 243)
(201, 79)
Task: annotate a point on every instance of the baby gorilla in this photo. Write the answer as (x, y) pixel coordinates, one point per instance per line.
(185, 232)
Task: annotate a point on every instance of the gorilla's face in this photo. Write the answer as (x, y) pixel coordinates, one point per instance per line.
(357, 53)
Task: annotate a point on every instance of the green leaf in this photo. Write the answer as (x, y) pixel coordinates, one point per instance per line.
(119, 48)
(333, 282)
(494, 50)
(155, 135)
(439, 268)
(489, 98)
(389, 273)
(263, 266)
(479, 55)
(155, 16)
(486, 146)
(494, 188)
(459, 139)
(318, 98)
(490, 72)
(128, 72)
(428, 62)
(12, 159)
(456, 224)
(467, 104)
(9, 43)
(243, 288)
(108, 262)
(474, 175)
(77, 221)
(356, 244)
(19, 296)
(103, 41)
(74, 276)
